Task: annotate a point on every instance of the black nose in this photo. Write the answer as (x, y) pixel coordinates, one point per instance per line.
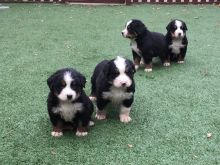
(122, 33)
(179, 34)
(123, 84)
(69, 97)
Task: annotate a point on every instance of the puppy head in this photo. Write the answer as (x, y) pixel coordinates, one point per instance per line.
(177, 28)
(66, 84)
(133, 28)
(119, 72)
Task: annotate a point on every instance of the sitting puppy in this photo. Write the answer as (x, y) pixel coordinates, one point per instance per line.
(177, 41)
(68, 105)
(145, 44)
(112, 81)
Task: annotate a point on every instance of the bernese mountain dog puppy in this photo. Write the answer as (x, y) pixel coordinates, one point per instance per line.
(145, 44)
(112, 82)
(68, 106)
(177, 41)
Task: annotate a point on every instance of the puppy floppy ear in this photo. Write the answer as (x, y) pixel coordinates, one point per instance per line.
(131, 65)
(184, 26)
(168, 26)
(50, 81)
(140, 28)
(82, 80)
(106, 69)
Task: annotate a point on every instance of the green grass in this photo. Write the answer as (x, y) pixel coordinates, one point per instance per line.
(174, 108)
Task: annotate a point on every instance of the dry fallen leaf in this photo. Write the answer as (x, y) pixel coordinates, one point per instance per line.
(209, 135)
(130, 145)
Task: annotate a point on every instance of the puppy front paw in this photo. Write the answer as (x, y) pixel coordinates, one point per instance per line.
(56, 134)
(148, 70)
(166, 64)
(180, 62)
(91, 123)
(136, 67)
(125, 118)
(80, 134)
(82, 131)
(92, 98)
(100, 115)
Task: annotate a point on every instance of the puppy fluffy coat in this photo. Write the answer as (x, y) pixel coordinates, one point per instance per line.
(145, 44)
(68, 106)
(112, 82)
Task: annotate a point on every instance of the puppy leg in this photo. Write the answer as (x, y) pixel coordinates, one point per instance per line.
(57, 132)
(124, 114)
(181, 56)
(148, 64)
(125, 110)
(180, 59)
(136, 59)
(100, 113)
(166, 61)
(57, 124)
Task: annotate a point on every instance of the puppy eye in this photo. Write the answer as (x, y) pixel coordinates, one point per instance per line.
(181, 27)
(63, 83)
(175, 27)
(73, 83)
(129, 27)
(127, 71)
(116, 72)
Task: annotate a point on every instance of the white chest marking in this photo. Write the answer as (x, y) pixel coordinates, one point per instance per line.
(135, 48)
(117, 95)
(68, 110)
(176, 46)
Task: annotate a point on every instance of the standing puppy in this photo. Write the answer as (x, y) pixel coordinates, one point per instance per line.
(145, 44)
(177, 41)
(68, 105)
(112, 81)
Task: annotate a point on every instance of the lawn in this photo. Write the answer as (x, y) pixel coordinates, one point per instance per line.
(174, 108)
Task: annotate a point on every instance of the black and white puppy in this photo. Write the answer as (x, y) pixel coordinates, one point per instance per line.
(68, 105)
(176, 40)
(145, 44)
(112, 82)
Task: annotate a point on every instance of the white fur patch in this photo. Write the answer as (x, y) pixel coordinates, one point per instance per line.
(166, 64)
(136, 67)
(135, 48)
(68, 110)
(117, 95)
(78, 133)
(176, 46)
(124, 118)
(122, 78)
(100, 115)
(91, 123)
(148, 70)
(178, 30)
(125, 31)
(67, 89)
(92, 98)
(56, 134)
(180, 62)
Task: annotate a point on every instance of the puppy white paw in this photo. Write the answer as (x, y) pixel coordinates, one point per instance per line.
(125, 118)
(180, 62)
(142, 62)
(56, 134)
(78, 133)
(100, 116)
(166, 64)
(148, 70)
(91, 123)
(136, 67)
(92, 98)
